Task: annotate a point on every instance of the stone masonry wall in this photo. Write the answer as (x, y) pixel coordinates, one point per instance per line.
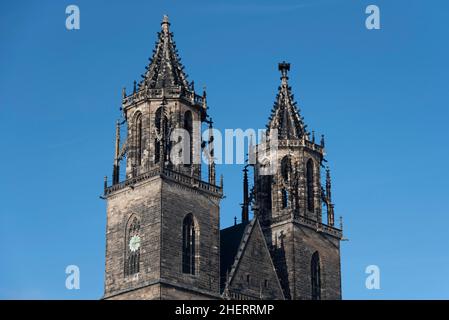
(177, 202)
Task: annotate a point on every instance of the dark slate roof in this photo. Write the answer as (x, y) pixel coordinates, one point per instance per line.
(230, 239)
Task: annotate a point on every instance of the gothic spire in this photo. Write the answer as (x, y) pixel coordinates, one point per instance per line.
(285, 115)
(116, 171)
(212, 179)
(330, 205)
(245, 205)
(328, 184)
(165, 68)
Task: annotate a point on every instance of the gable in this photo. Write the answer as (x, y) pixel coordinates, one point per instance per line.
(230, 239)
(253, 275)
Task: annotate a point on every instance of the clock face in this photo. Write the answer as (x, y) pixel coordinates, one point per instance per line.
(134, 243)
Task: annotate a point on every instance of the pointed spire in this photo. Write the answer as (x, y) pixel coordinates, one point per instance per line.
(245, 205)
(165, 68)
(212, 179)
(322, 140)
(204, 98)
(116, 170)
(285, 115)
(328, 184)
(330, 205)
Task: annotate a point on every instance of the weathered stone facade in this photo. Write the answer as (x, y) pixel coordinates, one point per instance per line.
(163, 238)
(252, 274)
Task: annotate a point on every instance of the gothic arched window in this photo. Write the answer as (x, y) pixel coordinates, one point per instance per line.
(132, 256)
(285, 167)
(157, 140)
(188, 145)
(189, 245)
(310, 196)
(139, 137)
(316, 276)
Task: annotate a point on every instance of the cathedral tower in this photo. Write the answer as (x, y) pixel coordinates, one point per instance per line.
(162, 239)
(289, 201)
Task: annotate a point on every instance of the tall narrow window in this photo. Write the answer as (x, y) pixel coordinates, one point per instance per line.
(284, 198)
(157, 140)
(188, 145)
(139, 144)
(310, 197)
(285, 168)
(189, 245)
(316, 276)
(132, 256)
(157, 143)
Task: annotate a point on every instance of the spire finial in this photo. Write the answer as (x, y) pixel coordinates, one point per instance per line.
(165, 24)
(284, 68)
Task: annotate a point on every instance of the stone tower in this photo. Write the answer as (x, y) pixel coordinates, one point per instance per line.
(162, 239)
(288, 201)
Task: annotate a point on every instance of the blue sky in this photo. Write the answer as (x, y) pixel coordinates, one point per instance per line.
(379, 96)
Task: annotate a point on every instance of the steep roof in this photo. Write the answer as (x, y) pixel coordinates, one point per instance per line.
(233, 241)
(230, 239)
(165, 68)
(285, 115)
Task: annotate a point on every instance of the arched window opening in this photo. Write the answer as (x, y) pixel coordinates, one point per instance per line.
(285, 168)
(316, 276)
(157, 141)
(132, 258)
(157, 150)
(188, 141)
(139, 144)
(310, 196)
(189, 243)
(284, 198)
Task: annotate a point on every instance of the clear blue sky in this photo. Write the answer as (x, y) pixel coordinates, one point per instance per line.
(380, 97)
